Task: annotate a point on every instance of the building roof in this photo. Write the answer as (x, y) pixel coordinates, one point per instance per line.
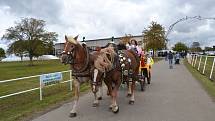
(104, 39)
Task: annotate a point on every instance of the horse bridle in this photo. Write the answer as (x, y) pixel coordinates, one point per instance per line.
(71, 60)
(71, 57)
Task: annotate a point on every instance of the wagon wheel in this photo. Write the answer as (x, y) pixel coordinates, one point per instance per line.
(142, 82)
(149, 78)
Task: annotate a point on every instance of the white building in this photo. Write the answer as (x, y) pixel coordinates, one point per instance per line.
(97, 42)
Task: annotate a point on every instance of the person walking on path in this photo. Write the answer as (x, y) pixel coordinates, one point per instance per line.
(170, 58)
(177, 58)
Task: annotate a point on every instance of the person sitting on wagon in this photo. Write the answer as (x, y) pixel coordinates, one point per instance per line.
(134, 46)
(146, 65)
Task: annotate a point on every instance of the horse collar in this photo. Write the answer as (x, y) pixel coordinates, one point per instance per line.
(83, 70)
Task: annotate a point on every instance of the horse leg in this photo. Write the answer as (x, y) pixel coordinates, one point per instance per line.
(129, 88)
(132, 92)
(95, 102)
(115, 107)
(73, 112)
(100, 92)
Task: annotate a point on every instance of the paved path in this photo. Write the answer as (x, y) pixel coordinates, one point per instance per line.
(174, 95)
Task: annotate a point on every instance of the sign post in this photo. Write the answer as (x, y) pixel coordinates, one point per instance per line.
(70, 82)
(48, 79)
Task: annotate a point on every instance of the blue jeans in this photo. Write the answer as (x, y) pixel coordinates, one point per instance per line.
(170, 63)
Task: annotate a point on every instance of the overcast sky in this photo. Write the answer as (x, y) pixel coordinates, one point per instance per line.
(106, 18)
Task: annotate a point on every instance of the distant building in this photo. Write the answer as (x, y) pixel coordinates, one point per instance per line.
(96, 42)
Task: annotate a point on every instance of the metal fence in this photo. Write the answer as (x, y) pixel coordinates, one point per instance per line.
(37, 82)
(204, 64)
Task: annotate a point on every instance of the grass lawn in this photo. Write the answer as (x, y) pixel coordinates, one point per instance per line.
(207, 84)
(28, 104)
(10, 70)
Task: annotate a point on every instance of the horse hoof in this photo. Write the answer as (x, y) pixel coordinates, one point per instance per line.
(115, 109)
(95, 104)
(73, 115)
(142, 89)
(131, 102)
(128, 95)
(99, 98)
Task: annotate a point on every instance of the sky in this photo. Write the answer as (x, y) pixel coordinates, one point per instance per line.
(95, 19)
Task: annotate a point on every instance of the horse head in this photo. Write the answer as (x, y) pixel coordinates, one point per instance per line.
(68, 54)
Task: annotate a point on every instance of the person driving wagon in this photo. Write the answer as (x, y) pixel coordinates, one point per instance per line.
(146, 63)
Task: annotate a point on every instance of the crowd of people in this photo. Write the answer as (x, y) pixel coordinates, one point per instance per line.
(170, 56)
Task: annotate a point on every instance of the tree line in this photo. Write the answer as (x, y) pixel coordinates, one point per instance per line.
(30, 38)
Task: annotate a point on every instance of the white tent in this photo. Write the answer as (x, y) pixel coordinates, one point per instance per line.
(16, 58)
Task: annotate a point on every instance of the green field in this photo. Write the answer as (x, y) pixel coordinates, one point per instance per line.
(208, 66)
(24, 105)
(207, 84)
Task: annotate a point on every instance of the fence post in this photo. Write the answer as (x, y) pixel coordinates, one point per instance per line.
(200, 63)
(196, 60)
(212, 69)
(190, 58)
(41, 93)
(193, 59)
(70, 82)
(205, 64)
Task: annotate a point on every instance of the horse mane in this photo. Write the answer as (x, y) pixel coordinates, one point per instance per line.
(105, 59)
(135, 55)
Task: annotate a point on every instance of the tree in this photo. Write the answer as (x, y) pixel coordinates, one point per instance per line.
(126, 39)
(2, 53)
(18, 48)
(154, 37)
(180, 47)
(208, 49)
(195, 47)
(35, 39)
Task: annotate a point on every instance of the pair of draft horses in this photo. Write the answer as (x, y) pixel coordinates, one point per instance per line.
(108, 65)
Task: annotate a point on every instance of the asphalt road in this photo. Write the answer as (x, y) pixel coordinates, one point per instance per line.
(173, 95)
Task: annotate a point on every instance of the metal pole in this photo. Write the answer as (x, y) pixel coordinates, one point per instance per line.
(70, 82)
(205, 64)
(212, 69)
(200, 63)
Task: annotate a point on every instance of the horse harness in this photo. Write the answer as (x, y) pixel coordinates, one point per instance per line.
(85, 70)
(120, 62)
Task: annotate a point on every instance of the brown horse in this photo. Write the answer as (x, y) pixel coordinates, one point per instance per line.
(115, 68)
(81, 63)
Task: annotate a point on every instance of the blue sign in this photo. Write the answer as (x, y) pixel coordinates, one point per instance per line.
(52, 77)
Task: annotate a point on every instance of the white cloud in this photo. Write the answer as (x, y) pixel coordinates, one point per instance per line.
(106, 18)
(6, 21)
